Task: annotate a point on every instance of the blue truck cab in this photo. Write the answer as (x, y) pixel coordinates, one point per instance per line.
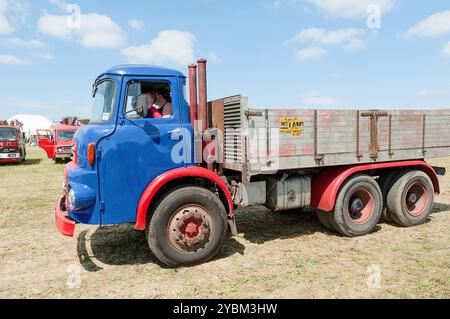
(130, 168)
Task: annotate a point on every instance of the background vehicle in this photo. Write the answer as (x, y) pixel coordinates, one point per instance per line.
(58, 142)
(12, 144)
(180, 178)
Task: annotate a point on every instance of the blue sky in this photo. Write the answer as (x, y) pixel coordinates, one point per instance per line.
(281, 53)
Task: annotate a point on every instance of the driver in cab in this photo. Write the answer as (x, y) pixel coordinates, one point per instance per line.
(159, 104)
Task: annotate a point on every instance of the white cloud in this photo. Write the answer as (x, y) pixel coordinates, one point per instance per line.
(214, 57)
(46, 56)
(446, 49)
(12, 12)
(55, 26)
(5, 26)
(315, 98)
(327, 36)
(136, 24)
(355, 45)
(59, 4)
(24, 43)
(434, 26)
(350, 8)
(426, 93)
(169, 46)
(311, 53)
(280, 3)
(10, 59)
(93, 31)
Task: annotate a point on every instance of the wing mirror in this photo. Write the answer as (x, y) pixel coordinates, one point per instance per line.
(141, 106)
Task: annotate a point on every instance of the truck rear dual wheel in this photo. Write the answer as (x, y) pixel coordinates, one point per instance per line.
(325, 220)
(410, 199)
(188, 227)
(358, 207)
(386, 180)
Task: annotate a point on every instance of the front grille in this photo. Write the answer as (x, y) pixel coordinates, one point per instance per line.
(66, 149)
(7, 150)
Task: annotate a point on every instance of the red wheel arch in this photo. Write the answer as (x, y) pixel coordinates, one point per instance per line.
(326, 185)
(160, 181)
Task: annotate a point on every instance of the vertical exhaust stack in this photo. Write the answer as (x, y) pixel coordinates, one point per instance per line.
(193, 93)
(203, 96)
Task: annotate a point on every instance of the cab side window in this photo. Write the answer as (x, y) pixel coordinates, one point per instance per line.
(149, 99)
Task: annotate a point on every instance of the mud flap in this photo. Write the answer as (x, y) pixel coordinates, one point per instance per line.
(233, 227)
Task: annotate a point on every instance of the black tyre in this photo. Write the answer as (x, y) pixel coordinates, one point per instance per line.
(386, 180)
(410, 199)
(359, 205)
(324, 219)
(188, 227)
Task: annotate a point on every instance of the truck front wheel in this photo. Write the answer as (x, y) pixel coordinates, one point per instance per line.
(188, 227)
(359, 205)
(410, 199)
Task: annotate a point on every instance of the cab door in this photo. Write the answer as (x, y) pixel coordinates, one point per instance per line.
(137, 152)
(46, 142)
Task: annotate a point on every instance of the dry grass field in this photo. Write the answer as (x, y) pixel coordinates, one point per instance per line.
(287, 255)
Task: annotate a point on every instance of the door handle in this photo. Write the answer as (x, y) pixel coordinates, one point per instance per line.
(175, 134)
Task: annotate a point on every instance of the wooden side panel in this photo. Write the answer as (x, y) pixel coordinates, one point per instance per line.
(344, 137)
(264, 141)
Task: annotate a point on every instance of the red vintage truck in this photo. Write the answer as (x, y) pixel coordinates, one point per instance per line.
(58, 142)
(12, 143)
(179, 177)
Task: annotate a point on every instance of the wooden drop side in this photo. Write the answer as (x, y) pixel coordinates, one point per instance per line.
(264, 141)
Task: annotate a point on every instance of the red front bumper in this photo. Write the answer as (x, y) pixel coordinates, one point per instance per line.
(63, 223)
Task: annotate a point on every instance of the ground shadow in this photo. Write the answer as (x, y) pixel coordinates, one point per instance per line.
(260, 225)
(440, 208)
(32, 161)
(122, 245)
(28, 162)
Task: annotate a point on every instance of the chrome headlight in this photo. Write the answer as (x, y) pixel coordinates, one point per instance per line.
(72, 199)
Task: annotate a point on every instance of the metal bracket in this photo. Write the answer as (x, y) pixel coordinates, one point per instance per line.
(99, 154)
(390, 152)
(102, 207)
(424, 127)
(374, 147)
(253, 113)
(317, 157)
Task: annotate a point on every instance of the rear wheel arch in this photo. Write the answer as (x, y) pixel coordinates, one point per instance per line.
(326, 186)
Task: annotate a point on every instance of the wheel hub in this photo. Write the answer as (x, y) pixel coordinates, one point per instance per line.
(416, 199)
(190, 228)
(357, 206)
(360, 206)
(412, 198)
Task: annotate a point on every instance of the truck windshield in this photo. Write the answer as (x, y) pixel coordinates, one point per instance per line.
(7, 134)
(103, 105)
(65, 135)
